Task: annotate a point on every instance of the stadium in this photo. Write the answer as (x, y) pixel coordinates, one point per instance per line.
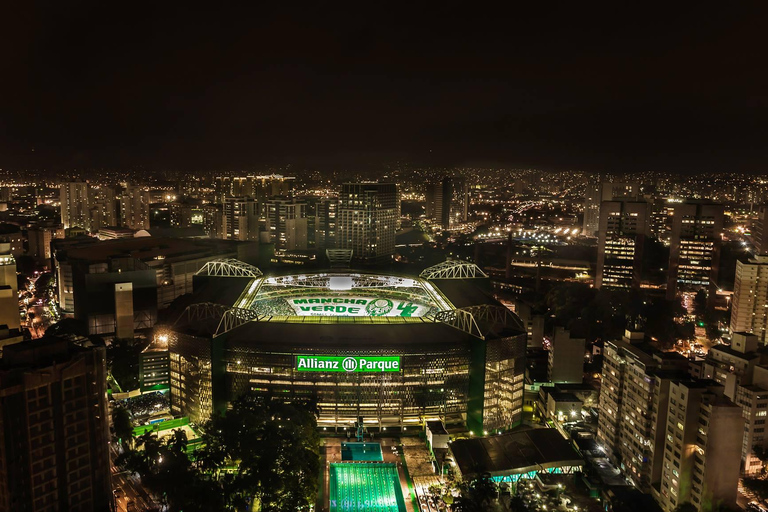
(395, 350)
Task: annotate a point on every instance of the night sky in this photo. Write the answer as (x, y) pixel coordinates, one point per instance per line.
(671, 88)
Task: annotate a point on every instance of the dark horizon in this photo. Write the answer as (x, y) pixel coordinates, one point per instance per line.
(594, 89)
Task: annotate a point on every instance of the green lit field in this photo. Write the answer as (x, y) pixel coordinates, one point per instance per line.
(365, 487)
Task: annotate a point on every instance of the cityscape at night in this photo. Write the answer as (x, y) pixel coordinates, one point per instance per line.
(283, 258)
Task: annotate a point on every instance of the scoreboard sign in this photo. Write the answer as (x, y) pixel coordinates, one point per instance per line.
(348, 364)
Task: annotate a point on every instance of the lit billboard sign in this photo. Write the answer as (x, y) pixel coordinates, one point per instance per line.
(355, 306)
(348, 364)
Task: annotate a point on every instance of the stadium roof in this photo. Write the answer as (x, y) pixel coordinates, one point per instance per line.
(515, 453)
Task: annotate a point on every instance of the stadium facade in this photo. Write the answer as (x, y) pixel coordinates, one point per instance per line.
(395, 350)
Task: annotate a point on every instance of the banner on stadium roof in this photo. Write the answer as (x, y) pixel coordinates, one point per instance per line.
(355, 306)
(349, 364)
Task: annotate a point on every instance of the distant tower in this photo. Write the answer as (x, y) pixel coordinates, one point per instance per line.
(694, 253)
(598, 192)
(623, 229)
(287, 223)
(134, 207)
(448, 201)
(74, 205)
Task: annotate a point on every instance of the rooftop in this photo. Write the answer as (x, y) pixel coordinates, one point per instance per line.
(515, 452)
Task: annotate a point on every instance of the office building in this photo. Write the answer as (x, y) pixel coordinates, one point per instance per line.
(533, 321)
(749, 308)
(702, 447)
(566, 358)
(191, 214)
(662, 214)
(694, 254)
(74, 205)
(448, 201)
(134, 207)
(54, 428)
(367, 219)
(287, 223)
(596, 193)
(623, 229)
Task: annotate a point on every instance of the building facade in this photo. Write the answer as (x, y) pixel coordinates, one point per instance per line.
(54, 428)
(623, 229)
(367, 221)
(749, 310)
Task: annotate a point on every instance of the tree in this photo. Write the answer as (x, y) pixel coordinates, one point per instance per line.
(517, 504)
(476, 495)
(686, 506)
(276, 448)
(121, 419)
(758, 486)
(700, 304)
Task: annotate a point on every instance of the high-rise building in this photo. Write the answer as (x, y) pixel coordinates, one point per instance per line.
(9, 289)
(54, 428)
(259, 188)
(240, 219)
(287, 223)
(325, 223)
(760, 231)
(40, 242)
(448, 201)
(367, 218)
(623, 229)
(694, 254)
(74, 205)
(566, 358)
(596, 193)
(134, 207)
(632, 400)
(702, 447)
(662, 213)
(102, 207)
(749, 311)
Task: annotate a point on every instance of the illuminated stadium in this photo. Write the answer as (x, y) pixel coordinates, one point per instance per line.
(396, 350)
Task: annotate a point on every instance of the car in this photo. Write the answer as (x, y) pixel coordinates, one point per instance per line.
(118, 492)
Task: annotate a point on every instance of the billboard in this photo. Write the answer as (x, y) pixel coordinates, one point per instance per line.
(349, 364)
(355, 306)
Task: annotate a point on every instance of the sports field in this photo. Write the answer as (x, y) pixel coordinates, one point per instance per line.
(365, 487)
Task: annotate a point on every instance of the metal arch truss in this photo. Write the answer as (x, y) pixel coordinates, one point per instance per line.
(201, 311)
(479, 320)
(453, 269)
(229, 267)
(235, 317)
(323, 281)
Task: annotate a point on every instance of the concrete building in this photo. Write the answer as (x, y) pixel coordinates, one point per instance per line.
(533, 321)
(54, 428)
(93, 277)
(662, 214)
(74, 205)
(287, 223)
(260, 187)
(733, 366)
(633, 391)
(702, 449)
(623, 229)
(367, 219)
(207, 216)
(134, 207)
(694, 254)
(760, 231)
(240, 219)
(40, 238)
(448, 201)
(753, 400)
(102, 207)
(597, 192)
(749, 311)
(566, 358)
(326, 211)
